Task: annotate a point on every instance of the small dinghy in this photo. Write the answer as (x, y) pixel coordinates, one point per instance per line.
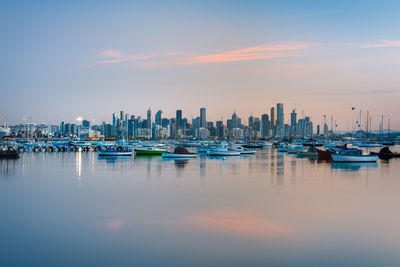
(179, 153)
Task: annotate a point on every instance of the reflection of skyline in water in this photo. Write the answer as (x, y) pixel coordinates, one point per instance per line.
(131, 209)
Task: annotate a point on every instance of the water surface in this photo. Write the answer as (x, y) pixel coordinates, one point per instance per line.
(76, 209)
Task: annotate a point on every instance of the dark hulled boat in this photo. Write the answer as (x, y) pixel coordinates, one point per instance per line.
(9, 154)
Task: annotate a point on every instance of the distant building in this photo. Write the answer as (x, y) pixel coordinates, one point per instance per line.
(203, 121)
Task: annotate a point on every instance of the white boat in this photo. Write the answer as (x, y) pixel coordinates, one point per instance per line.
(242, 150)
(113, 153)
(222, 151)
(353, 155)
(354, 158)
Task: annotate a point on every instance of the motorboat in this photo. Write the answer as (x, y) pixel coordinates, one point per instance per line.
(113, 152)
(179, 152)
(9, 153)
(353, 155)
(150, 151)
(282, 148)
(242, 150)
(222, 151)
(254, 145)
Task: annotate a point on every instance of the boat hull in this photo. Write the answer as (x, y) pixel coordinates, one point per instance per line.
(223, 153)
(149, 152)
(359, 158)
(114, 153)
(179, 156)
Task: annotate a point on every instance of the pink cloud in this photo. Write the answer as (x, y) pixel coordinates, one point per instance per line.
(184, 58)
(110, 53)
(382, 43)
(249, 53)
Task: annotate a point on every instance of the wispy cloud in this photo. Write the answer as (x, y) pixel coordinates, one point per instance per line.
(381, 43)
(110, 53)
(113, 56)
(249, 53)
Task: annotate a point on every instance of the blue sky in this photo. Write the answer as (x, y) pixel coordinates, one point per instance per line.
(67, 59)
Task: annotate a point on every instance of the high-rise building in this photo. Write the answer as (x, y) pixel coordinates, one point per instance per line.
(178, 121)
(273, 121)
(203, 121)
(265, 126)
(251, 121)
(220, 131)
(293, 122)
(114, 119)
(234, 120)
(279, 114)
(159, 116)
(86, 123)
(122, 115)
(148, 119)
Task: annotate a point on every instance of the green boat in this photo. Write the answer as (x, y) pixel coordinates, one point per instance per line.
(149, 151)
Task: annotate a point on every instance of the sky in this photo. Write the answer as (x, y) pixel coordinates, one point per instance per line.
(60, 60)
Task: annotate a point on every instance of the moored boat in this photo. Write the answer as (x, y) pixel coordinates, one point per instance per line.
(150, 151)
(113, 152)
(353, 155)
(9, 153)
(222, 151)
(242, 150)
(179, 152)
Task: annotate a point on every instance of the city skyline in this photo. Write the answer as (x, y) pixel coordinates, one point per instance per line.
(63, 60)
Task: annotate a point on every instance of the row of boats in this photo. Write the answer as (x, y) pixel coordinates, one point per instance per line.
(337, 153)
(179, 151)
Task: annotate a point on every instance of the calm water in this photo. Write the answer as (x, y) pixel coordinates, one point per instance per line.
(75, 209)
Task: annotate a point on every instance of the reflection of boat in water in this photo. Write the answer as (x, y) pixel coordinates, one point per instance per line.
(150, 151)
(113, 152)
(352, 166)
(179, 152)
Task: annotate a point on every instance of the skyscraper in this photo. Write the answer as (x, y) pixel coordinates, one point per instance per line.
(122, 115)
(178, 121)
(203, 122)
(159, 117)
(265, 126)
(273, 122)
(114, 119)
(234, 120)
(293, 122)
(279, 114)
(148, 119)
(251, 121)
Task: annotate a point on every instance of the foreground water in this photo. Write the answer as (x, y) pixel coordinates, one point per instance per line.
(75, 209)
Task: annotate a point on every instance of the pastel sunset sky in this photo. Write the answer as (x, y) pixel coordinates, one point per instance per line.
(64, 59)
